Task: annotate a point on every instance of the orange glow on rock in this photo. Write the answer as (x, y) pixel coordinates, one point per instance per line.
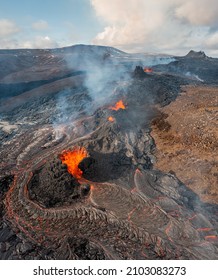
(72, 158)
(119, 105)
(138, 171)
(148, 70)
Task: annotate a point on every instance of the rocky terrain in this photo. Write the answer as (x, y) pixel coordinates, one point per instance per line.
(140, 180)
(186, 140)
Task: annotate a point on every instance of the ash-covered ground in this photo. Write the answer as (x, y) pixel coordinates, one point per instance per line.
(126, 204)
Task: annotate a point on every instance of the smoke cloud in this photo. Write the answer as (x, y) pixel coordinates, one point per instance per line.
(199, 12)
(101, 73)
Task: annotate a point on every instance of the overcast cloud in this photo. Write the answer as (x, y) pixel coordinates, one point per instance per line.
(173, 26)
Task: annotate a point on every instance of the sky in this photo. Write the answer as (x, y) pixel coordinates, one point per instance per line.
(154, 26)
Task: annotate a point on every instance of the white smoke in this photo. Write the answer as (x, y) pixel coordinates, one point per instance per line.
(193, 76)
(101, 74)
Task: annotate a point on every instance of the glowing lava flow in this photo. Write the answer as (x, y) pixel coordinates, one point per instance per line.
(111, 119)
(211, 238)
(204, 229)
(119, 105)
(72, 158)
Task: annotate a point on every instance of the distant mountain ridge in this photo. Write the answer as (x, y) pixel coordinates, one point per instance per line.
(25, 65)
(24, 70)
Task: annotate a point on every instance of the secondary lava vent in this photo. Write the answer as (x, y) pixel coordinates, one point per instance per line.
(119, 105)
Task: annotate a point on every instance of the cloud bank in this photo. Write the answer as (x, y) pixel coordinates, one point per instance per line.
(173, 26)
(36, 42)
(13, 37)
(7, 28)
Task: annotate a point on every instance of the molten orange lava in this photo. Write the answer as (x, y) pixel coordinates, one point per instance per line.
(138, 171)
(148, 70)
(204, 229)
(72, 158)
(111, 119)
(119, 105)
(211, 238)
